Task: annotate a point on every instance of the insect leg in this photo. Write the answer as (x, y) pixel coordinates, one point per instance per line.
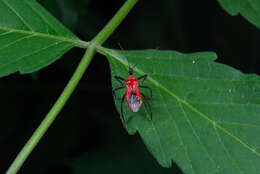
(122, 111)
(149, 106)
(142, 77)
(114, 90)
(120, 80)
(147, 87)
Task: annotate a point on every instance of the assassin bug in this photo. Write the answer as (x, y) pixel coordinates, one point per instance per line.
(132, 95)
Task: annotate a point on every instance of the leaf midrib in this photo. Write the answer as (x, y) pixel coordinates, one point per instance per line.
(214, 124)
(77, 42)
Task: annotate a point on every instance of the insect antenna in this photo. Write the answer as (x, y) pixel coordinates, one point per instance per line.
(130, 68)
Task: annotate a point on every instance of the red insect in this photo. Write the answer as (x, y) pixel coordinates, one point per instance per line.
(132, 95)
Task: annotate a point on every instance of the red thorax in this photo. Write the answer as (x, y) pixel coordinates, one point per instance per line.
(133, 95)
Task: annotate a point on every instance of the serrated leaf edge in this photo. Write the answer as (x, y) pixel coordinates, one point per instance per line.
(181, 101)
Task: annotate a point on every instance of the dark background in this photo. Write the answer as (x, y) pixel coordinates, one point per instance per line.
(87, 136)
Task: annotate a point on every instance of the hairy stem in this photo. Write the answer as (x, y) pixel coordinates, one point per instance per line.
(50, 117)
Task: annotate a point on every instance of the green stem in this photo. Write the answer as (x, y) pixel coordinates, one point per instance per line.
(114, 22)
(50, 117)
(45, 124)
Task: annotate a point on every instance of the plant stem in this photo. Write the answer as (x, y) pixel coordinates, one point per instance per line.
(45, 124)
(50, 117)
(114, 22)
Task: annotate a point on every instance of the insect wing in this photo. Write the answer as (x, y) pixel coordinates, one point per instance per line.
(134, 102)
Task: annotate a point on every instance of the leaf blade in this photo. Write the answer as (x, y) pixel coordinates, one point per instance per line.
(193, 95)
(27, 29)
(249, 9)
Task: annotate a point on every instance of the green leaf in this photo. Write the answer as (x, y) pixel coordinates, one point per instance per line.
(249, 9)
(205, 114)
(30, 38)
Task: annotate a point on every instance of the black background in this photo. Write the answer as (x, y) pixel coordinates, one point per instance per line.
(87, 136)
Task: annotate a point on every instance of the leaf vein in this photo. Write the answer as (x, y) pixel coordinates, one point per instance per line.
(178, 132)
(196, 135)
(218, 103)
(18, 15)
(42, 17)
(195, 77)
(78, 43)
(156, 83)
(42, 60)
(226, 150)
(160, 143)
(239, 124)
(5, 33)
(30, 54)
(15, 41)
